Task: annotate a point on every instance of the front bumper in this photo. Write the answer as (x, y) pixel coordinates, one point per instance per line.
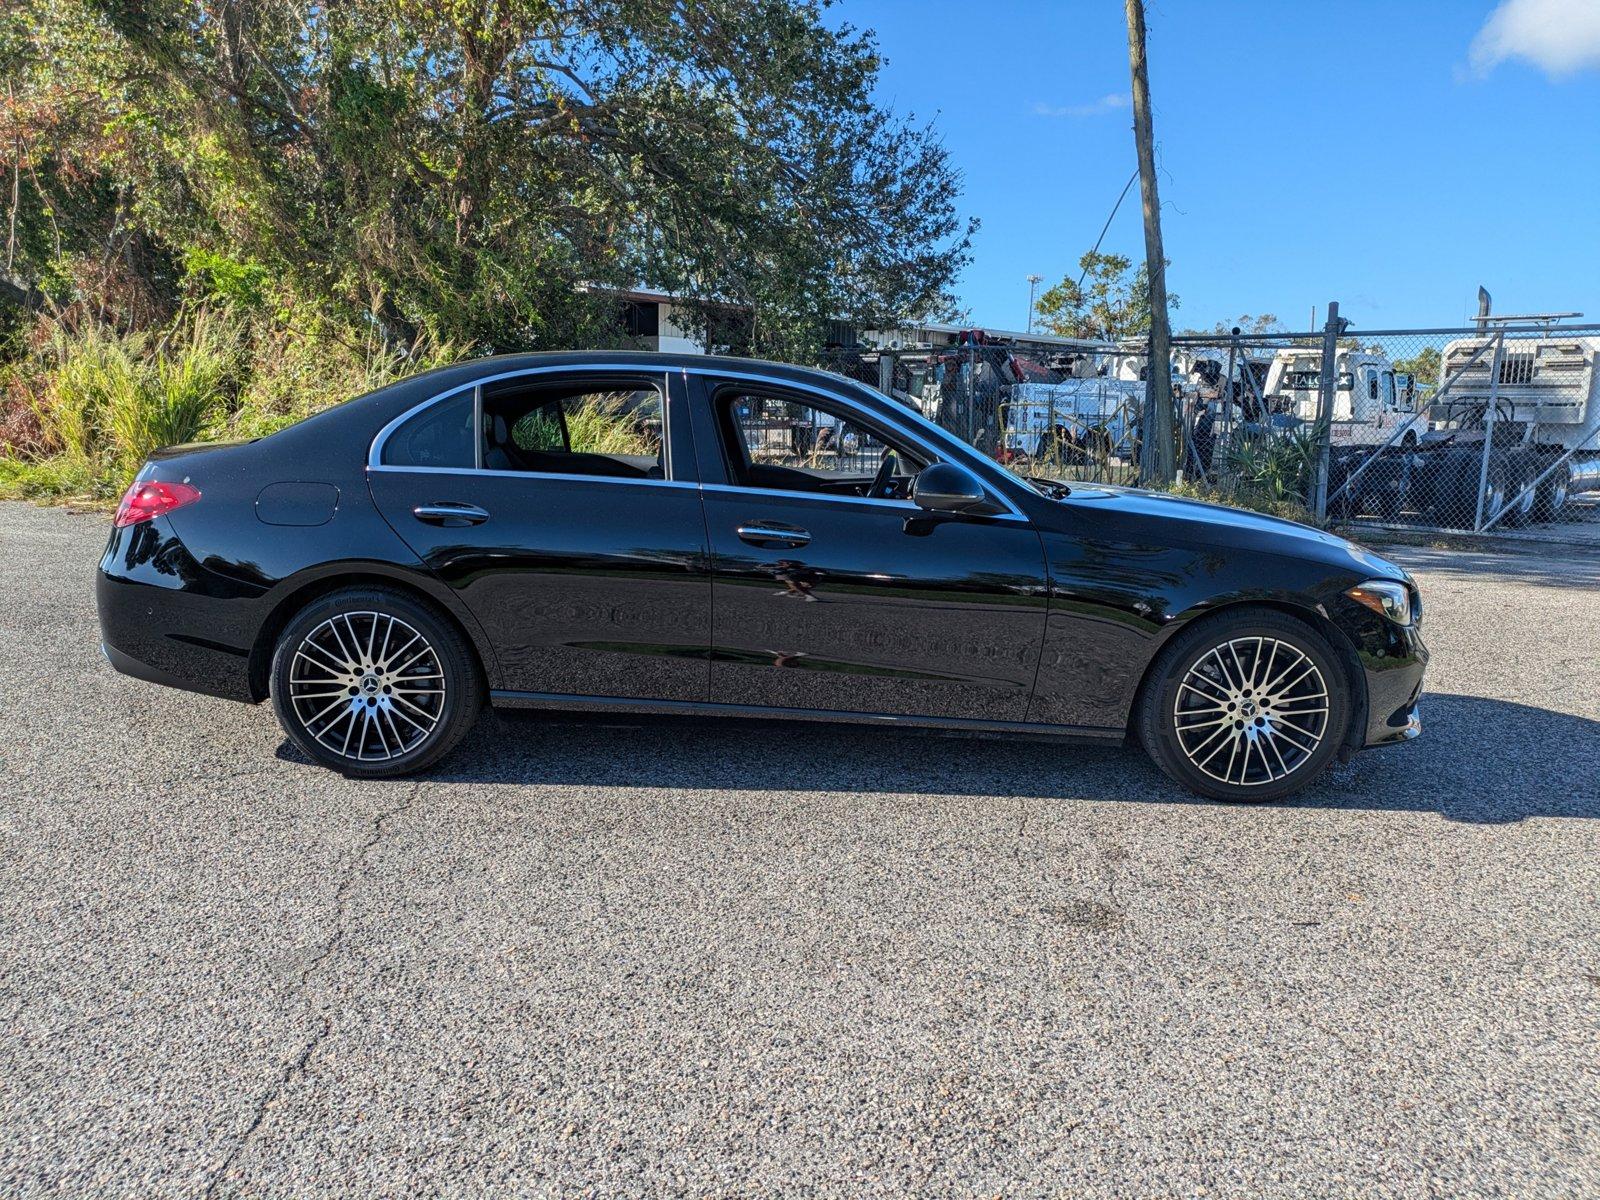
(1393, 661)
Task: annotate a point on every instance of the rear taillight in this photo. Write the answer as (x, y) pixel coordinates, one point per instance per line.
(143, 501)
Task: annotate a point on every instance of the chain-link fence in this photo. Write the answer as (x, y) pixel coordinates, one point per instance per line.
(1077, 411)
(1478, 429)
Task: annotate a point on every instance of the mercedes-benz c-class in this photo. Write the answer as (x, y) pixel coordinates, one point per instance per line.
(682, 534)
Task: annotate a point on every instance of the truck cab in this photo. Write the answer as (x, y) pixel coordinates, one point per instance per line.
(1369, 401)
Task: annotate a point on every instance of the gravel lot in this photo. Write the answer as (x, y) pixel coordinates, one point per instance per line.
(683, 958)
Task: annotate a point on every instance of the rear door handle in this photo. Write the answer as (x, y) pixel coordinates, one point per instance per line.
(450, 514)
(772, 535)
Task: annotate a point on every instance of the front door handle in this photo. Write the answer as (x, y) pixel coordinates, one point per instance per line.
(773, 535)
(450, 514)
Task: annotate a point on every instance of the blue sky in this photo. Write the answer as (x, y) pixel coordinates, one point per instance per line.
(1391, 156)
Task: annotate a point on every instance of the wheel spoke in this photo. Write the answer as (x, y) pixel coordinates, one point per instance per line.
(1209, 699)
(326, 709)
(1272, 744)
(1308, 668)
(386, 713)
(426, 649)
(1251, 710)
(395, 712)
(416, 708)
(348, 653)
(1284, 734)
(1198, 753)
(333, 631)
(1227, 774)
(1267, 671)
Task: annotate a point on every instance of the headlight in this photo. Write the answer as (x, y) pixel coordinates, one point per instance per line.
(1386, 598)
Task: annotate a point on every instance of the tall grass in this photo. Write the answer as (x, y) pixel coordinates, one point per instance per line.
(604, 426)
(88, 404)
(1270, 475)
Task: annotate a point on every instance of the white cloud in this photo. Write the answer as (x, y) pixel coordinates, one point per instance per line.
(1557, 36)
(1107, 103)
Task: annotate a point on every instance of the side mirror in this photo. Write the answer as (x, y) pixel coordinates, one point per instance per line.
(947, 488)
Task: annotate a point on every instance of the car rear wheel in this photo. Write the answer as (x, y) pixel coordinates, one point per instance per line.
(1247, 706)
(373, 683)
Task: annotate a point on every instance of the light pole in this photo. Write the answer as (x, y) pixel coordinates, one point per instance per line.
(1033, 284)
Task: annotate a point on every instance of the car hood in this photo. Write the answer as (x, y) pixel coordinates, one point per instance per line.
(1163, 517)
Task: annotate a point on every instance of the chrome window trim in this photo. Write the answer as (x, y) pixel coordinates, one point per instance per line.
(953, 447)
(733, 489)
(663, 386)
(909, 507)
(557, 475)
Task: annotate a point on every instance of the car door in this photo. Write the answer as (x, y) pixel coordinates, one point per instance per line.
(562, 507)
(825, 599)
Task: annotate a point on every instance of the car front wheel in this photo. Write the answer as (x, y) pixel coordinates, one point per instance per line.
(373, 683)
(1246, 706)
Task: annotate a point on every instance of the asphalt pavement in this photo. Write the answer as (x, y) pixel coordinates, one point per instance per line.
(620, 958)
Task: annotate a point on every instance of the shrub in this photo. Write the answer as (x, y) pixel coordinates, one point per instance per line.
(88, 404)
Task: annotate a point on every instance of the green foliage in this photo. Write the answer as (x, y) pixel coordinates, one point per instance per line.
(224, 280)
(109, 399)
(99, 400)
(477, 174)
(1110, 304)
(1238, 495)
(1424, 365)
(1279, 469)
(602, 427)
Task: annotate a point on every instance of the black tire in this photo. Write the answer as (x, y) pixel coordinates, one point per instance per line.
(1521, 469)
(1167, 688)
(1497, 490)
(405, 724)
(1554, 493)
(1383, 487)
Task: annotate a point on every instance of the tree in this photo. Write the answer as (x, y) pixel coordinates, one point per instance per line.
(1424, 365)
(1246, 324)
(489, 171)
(1109, 301)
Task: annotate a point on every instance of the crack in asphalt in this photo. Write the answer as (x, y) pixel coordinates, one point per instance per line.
(296, 1066)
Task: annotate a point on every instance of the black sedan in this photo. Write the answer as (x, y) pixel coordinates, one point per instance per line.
(657, 533)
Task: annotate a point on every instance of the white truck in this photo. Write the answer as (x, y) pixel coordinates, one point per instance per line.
(1543, 430)
(1544, 425)
(1098, 415)
(1370, 403)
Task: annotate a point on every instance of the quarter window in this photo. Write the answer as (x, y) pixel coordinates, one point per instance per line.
(438, 436)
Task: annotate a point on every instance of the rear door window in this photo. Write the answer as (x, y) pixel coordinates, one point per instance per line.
(607, 430)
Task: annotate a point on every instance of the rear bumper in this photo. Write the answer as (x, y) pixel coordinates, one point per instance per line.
(164, 618)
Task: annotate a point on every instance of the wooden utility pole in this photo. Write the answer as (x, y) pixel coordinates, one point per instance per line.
(1156, 459)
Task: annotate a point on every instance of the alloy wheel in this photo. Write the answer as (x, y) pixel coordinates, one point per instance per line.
(367, 686)
(1251, 711)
